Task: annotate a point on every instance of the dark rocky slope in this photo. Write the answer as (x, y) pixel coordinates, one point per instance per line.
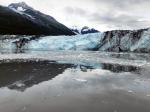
(29, 22)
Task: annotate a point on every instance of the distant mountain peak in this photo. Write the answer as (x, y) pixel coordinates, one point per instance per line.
(21, 6)
(83, 30)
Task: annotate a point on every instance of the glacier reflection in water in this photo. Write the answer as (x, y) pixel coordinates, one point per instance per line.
(74, 81)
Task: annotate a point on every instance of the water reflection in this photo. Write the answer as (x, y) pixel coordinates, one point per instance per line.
(49, 86)
(120, 68)
(22, 75)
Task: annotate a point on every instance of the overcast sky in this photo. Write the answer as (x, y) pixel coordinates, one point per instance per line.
(100, 14)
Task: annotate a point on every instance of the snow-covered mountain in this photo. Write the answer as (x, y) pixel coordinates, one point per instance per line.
(21, 6)
(83, 30)
(19, 18)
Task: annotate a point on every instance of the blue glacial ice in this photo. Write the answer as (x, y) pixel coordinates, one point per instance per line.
(77, 42)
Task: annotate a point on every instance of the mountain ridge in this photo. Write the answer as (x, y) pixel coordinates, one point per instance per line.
(29, 22)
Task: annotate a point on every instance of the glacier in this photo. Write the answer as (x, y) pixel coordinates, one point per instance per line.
(125, 41)
(111, 41)
(78, 42)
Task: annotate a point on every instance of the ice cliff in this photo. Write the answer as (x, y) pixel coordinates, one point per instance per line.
(112, 41)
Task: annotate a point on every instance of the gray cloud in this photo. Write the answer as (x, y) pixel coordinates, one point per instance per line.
(76, 11)
(119, 21)
(101, 14)
(111, 19)
(122, 3)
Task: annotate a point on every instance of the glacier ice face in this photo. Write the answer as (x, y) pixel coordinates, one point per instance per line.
(125, 41)
(78, 42)
(113, 41)
(6, 44)
(143, 43)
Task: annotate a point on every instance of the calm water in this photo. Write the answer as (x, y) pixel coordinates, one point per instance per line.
(50, 81)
